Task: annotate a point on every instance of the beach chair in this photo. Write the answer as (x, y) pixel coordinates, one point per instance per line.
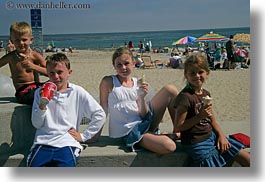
(148, 63)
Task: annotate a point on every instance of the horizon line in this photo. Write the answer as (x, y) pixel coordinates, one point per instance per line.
(137, 31)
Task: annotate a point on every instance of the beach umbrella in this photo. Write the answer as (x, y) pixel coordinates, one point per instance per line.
(184, 40)
(244, 38)
(211, 37)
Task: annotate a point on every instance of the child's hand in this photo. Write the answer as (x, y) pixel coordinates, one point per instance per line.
(41, 105)
(223, 144)
(75, 134)
(26, 63)
(144, 89)
(206, 112)
(23, 56)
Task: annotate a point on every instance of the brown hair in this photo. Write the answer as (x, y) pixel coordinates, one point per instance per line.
(21, 28)
(197, 61)
(58, 58)
(118, 52)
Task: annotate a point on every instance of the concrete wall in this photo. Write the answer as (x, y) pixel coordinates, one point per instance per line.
(16, 132)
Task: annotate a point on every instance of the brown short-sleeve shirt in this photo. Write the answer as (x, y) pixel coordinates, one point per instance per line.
(193, 103)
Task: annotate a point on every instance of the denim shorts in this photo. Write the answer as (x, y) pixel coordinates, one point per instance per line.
(48, 156)
(136, 134)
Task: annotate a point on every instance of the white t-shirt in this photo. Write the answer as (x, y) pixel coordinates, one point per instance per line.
(65, 111)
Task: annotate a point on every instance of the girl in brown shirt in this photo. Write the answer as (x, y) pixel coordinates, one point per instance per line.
(201, 135)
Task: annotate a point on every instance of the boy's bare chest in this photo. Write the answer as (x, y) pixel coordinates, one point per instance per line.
(18, 66)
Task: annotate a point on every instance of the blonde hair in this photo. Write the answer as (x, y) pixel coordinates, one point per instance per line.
(196, 61)
(21, 28)
(120, 51)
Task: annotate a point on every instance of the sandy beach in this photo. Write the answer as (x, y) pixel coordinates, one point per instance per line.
(230, 90)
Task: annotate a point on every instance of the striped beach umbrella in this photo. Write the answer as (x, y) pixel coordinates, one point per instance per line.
(210, 37)
(184, 40)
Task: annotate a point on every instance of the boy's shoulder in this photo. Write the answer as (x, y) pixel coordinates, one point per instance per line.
(36, 54)
(81, 91)
(37, 57)
(77, 88)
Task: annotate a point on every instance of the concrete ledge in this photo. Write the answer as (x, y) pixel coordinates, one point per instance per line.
(111, 156)
(17, 134)
(109, 152)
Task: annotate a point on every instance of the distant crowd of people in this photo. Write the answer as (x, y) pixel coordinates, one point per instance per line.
(141, 48)
(51, 47)
(229, 56)
(123, 99)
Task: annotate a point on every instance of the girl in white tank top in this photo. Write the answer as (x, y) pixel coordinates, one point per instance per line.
(130, 116)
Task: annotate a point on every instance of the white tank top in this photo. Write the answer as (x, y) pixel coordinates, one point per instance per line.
(123, 108)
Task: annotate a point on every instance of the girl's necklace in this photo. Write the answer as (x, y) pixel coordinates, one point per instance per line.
(26, 57)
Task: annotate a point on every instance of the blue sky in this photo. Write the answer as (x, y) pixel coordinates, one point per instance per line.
(131, 15)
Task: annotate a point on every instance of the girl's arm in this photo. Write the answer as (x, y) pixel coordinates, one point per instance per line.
(143, 108)
(222, 142)
(105, 88)
(180, 118)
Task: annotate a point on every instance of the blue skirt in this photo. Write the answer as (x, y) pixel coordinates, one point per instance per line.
(205, 153)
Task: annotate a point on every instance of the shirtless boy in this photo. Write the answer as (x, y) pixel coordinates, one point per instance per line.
(24, 63)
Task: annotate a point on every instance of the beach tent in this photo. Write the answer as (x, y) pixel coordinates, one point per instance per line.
(184, 40)
(211, 37)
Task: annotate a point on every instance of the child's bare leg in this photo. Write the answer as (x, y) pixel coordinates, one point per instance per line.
(160, 102)
(243, 158)
(160, 144)
(171, 109)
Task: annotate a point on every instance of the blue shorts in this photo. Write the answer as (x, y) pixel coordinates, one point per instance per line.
(206, 154)
(48, 156)
(136, 134)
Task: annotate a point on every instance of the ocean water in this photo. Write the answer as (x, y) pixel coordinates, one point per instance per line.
(159, 39)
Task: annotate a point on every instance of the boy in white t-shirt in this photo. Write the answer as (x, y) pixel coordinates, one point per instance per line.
(57, 136)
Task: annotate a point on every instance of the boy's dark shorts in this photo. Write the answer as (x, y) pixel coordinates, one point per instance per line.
(25, 94)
